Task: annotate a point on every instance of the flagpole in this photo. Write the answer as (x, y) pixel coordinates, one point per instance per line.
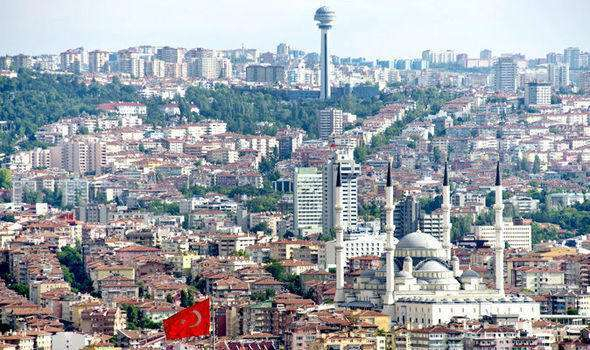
(213, 335)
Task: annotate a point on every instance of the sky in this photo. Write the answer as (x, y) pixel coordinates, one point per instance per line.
(368, 28)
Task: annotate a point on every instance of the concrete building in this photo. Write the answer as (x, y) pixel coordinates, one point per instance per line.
(505, 75)
(517, 236)
(98, 61)
(432, 224)
(524, 204)
(360, 245)
(571, 56)
(308, 207)
(558, 75)
(405, 216)
(350, 171)
(171, 54)
(330, 122)
(269, 74)
(537, 94)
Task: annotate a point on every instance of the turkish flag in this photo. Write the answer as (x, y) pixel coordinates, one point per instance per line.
(193, 321)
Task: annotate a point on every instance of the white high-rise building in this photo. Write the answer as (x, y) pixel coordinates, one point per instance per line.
(330, 122)
(98, 61)
(308, 209)
(571, 56)
(505, 75)
(558, 75)
(350, 171)
(517, 236)
(537, 94)
(325, 17)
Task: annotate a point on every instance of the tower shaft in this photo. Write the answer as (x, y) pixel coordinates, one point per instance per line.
(325, 92)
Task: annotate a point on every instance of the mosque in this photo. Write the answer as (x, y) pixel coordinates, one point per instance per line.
(422, 283)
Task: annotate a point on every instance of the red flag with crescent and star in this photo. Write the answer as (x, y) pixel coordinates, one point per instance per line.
(193, 321)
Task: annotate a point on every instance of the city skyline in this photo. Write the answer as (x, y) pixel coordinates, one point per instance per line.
(388, 30)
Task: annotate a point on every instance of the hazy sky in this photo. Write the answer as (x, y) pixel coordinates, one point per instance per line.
(370, 28)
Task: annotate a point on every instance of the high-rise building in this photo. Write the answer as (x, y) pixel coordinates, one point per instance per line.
(405, 216)
(325, 17)
(289, 141)
(98, 61)
(584, 82)
(517, 236)
(171, 54)
(22, 61)
(206, 64)
(155, 68)
(6, 62)
(462, 59)
(558, 75)
(73, 60)
(330, 122)
(308, 196)
(350, 171)
(283, 49)
(135, 67)
(554, 58)
(571, 56)
(537, 94)
(485, 54)
(88, 155)
(432, 224)
(505, 75)
(265, 74)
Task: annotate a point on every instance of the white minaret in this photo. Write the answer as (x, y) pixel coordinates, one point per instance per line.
(325, 17)
(339, 298)
(446, 208)
(389, 228)
(499, 228)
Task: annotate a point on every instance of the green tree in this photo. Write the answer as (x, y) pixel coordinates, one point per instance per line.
(73, 269)
(460, 226)
(186, 298)
(263, 203)
(20, 288)
(536, 165)
(31, 196)
(5, 178)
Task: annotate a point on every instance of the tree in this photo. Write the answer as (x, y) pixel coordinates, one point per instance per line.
(262, 226)
(460, 226)
(370, 211)
(31, 196)
(436, 155)
(53, 198)
(186, 298)
(263, 203)
(429, 205)
(73, 269)
(360, 154)
(20, 288)
(5, 178)
(275, 269)
(536, 165)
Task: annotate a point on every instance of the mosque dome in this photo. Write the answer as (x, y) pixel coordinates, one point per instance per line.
(419, 244)
(432, 266)
(470, 274)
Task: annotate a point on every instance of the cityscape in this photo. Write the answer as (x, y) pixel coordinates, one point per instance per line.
(179, 198)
